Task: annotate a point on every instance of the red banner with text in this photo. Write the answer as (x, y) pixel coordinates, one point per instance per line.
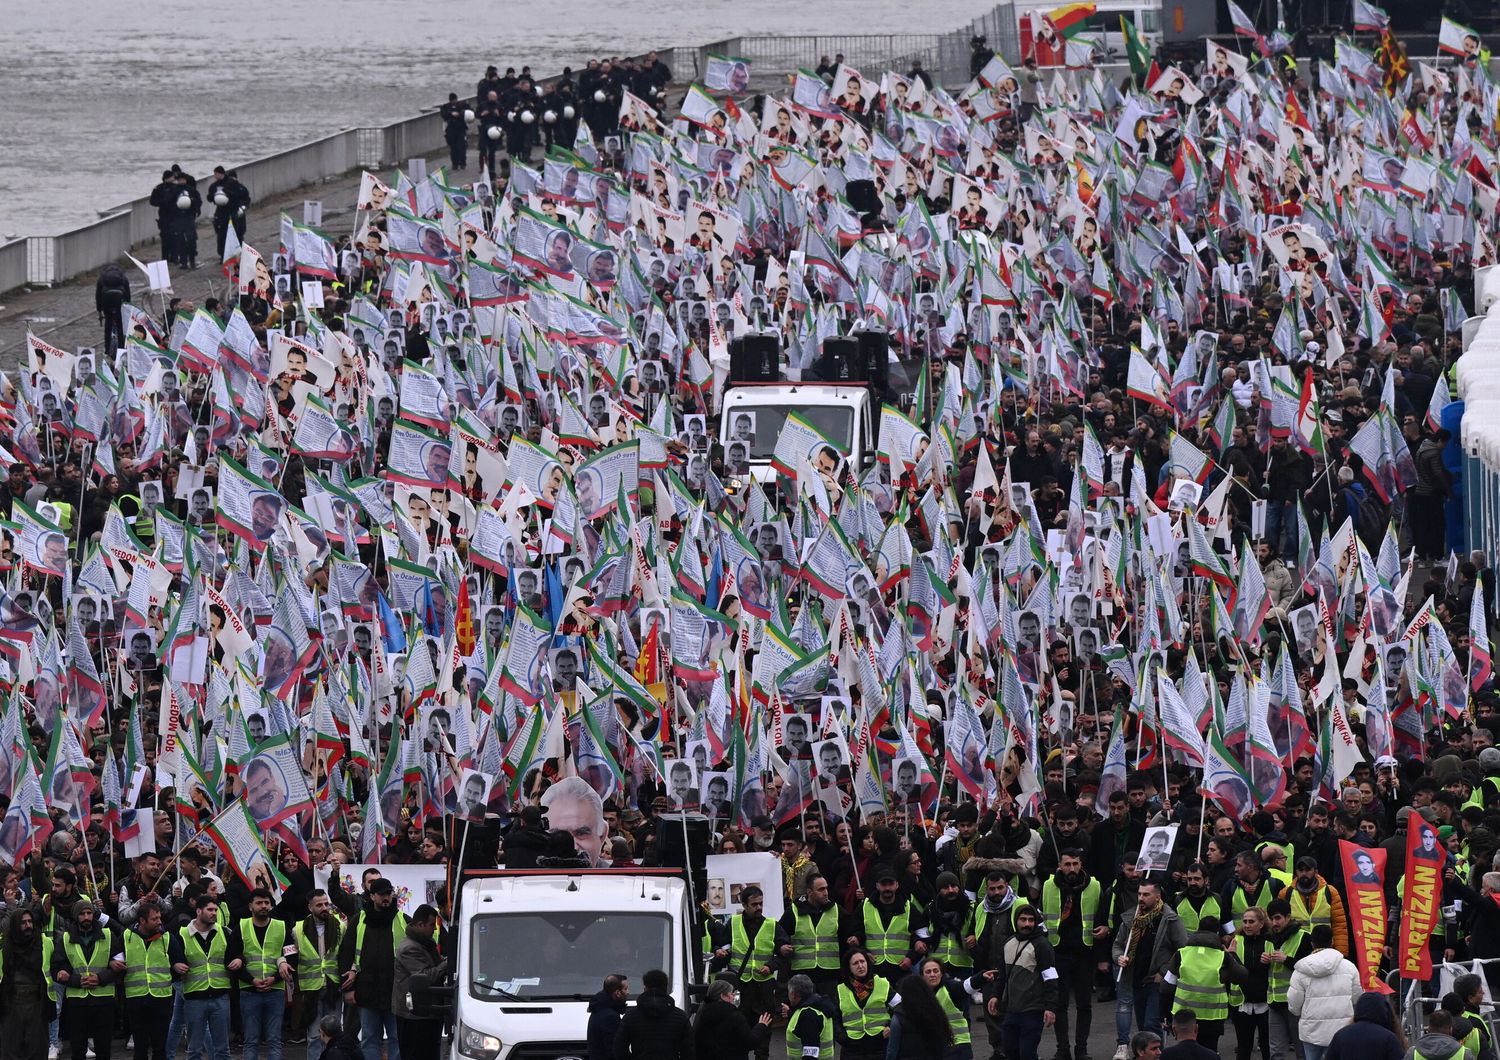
(1364, 897)
(1422, 893)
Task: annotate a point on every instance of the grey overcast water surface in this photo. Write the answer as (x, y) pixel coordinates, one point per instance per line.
(96, 99)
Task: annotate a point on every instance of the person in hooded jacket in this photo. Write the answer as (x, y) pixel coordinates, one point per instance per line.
(1324, 988)
(1438, 1043)
(722, 1029)
(656, 1029)
(605, 1009)
(1370, 1036)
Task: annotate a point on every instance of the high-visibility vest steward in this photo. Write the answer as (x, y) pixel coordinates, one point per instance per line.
(748, 954)
(148, 966)
(206, 970)
(815, 940)
(871, 1019)
(1200, 984)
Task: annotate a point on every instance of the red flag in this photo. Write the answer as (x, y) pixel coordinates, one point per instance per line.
(1364, 897)
(1425, 860)
(464, 626)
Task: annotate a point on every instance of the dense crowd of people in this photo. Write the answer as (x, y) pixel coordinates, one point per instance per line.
(1140, 658)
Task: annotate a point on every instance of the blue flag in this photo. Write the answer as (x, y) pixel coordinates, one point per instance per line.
(391, 633)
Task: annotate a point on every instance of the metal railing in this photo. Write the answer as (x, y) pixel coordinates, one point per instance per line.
(47, 260)
(1413, 998)
(12, 264)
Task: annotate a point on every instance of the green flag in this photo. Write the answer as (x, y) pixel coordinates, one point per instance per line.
(1135, 49)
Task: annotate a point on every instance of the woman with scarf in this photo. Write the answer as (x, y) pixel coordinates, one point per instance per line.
(23, 991)
(864, 1015)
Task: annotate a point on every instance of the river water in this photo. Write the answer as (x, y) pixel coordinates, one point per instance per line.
(97, 99)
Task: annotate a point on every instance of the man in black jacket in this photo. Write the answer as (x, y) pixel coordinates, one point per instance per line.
(111, 292)
(605, 1009)
(82, 961)
(231, 210)
(525, 842)
(164, 198)
(456, 131)
(367, 962)
(656, 1029)
(722, 1029)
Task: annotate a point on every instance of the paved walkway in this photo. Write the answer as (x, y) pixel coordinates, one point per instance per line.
(65, 316)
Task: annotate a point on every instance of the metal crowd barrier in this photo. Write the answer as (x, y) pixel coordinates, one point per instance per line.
(1414, 998)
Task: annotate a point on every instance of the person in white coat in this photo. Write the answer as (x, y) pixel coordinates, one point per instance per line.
(1324, 988)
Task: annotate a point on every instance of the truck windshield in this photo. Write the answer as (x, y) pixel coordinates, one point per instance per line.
(836, 421)
(561, 956)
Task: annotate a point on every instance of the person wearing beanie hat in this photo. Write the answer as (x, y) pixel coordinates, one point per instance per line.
(81, 961)
(950, 922)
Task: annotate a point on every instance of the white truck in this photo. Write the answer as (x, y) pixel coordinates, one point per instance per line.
(751, 419)
(535, 945)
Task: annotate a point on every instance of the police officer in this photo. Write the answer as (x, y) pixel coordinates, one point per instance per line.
(456, 131)
(521, 104)
(231, 200)
(148, 983)
(752, 955)
(888, 926)
(812, 922)
(491, 118)
(1070, 911)
(81, 961)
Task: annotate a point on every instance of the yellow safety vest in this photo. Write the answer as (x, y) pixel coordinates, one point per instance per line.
(1321, 912)
(825, 1036)
(870, 1019)
(958, 1019)
(743, 954)
(1200, 985)
(1263, 895)
(313, 971)
(887, 944)
(206, 971)
(398, 932)
(815, 943)
(1087, 905)
(1207, 917)
(148, 966)
(262, 957)
(1279, 980)
(95, 962)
